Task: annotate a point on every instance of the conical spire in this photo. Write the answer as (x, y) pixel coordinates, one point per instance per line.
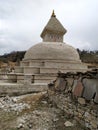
(53, 28)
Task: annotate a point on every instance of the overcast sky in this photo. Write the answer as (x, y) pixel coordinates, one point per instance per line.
(22, 21)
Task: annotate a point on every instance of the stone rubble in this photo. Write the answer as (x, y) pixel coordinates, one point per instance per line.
(86, 115)
(37, 120)
(9, 104)
(68, 123)
(46, 115)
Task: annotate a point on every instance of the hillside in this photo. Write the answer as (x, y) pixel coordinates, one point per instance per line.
(88, 56)
(17, 56)
(14, 56)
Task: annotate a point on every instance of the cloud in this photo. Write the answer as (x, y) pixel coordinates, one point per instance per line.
(21, 22)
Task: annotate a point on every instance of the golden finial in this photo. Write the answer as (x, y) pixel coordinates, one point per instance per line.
(53, 14)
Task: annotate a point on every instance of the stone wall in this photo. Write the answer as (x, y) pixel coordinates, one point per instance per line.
(78, 84)
(76, 95)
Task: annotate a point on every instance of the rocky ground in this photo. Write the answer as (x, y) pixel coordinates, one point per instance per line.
(34, 112)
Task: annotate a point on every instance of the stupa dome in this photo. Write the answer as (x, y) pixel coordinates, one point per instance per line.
(52, 51)
(52, 47)
(44, 60)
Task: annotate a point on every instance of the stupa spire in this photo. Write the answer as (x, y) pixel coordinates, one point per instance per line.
(53, 14)
(54, 30)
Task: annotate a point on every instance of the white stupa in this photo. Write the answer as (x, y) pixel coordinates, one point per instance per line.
(43, 60)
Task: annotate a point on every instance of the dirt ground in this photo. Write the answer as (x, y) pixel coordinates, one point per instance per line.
(40, 115)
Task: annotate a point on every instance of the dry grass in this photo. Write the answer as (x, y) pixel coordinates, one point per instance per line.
(31, 99)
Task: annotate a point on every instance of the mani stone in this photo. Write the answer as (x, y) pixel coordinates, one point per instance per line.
(89, 88)
(69, 84)
(96, 98)
(78, 88)
(74, 85)
(60, 84)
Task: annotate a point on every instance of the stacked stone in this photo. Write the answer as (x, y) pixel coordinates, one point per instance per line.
(73, 101)
(78, 85)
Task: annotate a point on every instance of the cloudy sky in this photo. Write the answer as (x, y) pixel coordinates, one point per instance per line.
(21, 22)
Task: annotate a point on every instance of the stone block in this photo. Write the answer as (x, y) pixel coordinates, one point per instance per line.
(42, 81)
(19, 69)
(27, 78)
(24, 63)
(45, 76)
(20, 78)
(12, 78)
(31, 70)
(48, 70)
(20, 89)
(36, 63)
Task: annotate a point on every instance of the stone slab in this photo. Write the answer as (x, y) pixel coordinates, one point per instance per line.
(20, 89)
(78, 89)
(89, 88)
(60, 84)
(19, 69)
(56, 70)
(65, 65)
(31, 70)
(48, 70)
(43, 81)
(45, 77)
(36, 63)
